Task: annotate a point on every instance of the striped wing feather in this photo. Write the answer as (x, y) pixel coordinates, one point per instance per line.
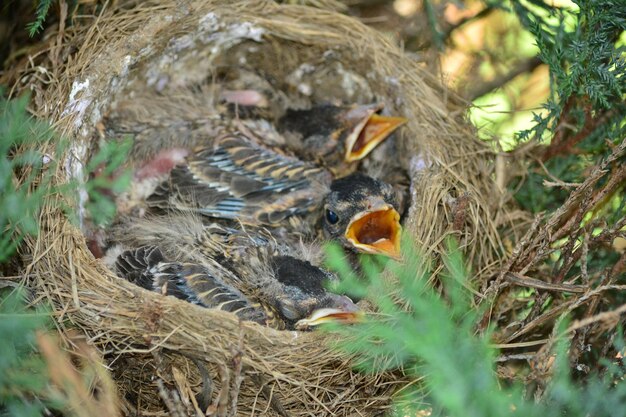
(240, 179)
(197, 284)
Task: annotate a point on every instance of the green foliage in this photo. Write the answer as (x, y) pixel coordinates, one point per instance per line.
(41, 12)
(586, 108)
(24, 385)
(23, 372)
(110, 178)
(20, 202)
(433, 339)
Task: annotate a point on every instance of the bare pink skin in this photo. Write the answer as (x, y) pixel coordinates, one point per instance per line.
(162, 163)
(244, 97)
(147, 177)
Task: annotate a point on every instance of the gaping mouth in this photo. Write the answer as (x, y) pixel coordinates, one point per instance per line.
(328, 315)
(376, 231)
(369, 133)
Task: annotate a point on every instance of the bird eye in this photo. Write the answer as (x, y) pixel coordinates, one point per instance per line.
(332, 217)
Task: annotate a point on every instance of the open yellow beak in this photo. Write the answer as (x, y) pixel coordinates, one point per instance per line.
(369, 133)
(328, 315)
(376, 231)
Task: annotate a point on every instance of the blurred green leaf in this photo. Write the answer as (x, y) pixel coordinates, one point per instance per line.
(22, 137)
(23, 373)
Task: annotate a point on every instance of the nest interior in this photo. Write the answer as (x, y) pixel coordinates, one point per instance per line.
(160, 53)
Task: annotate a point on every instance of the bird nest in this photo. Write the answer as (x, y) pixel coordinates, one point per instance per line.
(152, 342)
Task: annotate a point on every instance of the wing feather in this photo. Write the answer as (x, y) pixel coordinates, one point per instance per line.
(238, 178)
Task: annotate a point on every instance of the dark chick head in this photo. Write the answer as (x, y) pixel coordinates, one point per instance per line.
(356, 130)
(300, 298)
(362, 213)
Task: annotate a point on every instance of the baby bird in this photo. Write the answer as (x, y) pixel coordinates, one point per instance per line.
(334, 135)
(337, 136)
(362, 213)
(234, 271)
(239, 179)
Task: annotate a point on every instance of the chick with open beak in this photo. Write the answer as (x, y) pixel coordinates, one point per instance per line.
(239, 179)
(362, 213)
(299, 295)
(336, 135)
(242, 272)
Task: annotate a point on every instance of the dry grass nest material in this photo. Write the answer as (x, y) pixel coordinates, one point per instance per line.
(163, 47)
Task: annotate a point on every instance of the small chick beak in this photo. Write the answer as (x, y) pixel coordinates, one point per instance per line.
(370, 131)
(376, 231)
(329, 315)
(347, 313)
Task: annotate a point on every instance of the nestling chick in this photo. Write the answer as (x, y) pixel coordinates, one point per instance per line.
(362, 213)
(337, 136)
(237, 178)
(299, 296)
(225, 268)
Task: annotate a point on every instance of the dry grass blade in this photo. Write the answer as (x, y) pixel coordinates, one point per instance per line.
(89, 392)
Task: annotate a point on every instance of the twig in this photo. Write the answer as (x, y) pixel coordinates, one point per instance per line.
(561, 146)
(237, 365)
(603, 237)
(530, 251)
(203, 398)
(566, 307)
(519, 344)
(171, 400)
(17, 277)
(615, 180)
(561, 184)
(559, 129)
(515, 357)
(220, 404)
(542, 285)
(414, 43)
(584, 273)
(605, 316)
(494, 289)
(483, 13)
(567, 257)
(545, 317)
(56, 48)
(431, 18)
(516, 254)
(267, 394)
(578, 341)
(619, 266)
